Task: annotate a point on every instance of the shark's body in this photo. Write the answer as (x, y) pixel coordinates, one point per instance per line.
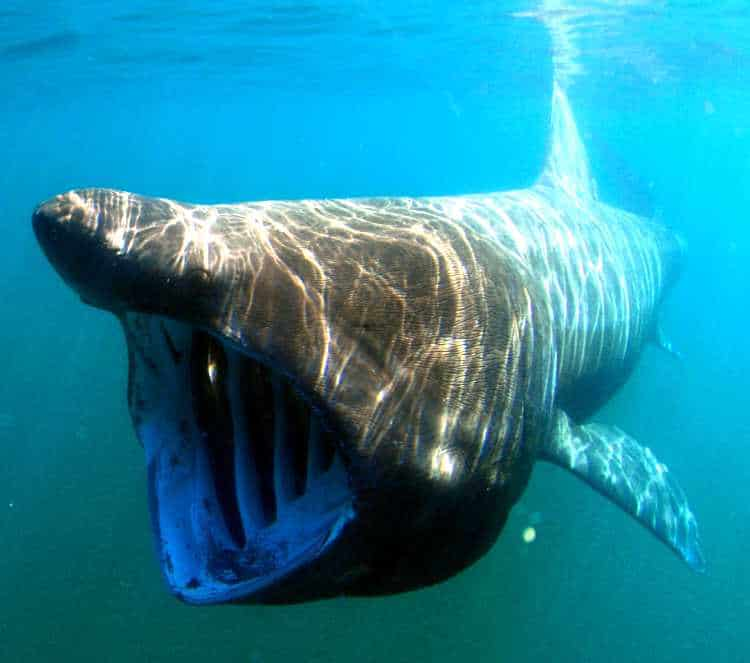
(347, 396)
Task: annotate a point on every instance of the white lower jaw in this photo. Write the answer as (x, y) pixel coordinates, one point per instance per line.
(202, 560)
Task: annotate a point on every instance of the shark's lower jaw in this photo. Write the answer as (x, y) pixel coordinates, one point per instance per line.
(245, 481)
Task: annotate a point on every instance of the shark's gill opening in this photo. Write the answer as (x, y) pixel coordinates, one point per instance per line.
(246, 482)
(256, 408)
(213, 418)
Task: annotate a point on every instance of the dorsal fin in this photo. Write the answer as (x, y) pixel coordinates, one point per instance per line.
(567, 165)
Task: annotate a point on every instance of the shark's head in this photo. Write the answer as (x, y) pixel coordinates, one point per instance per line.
(318, 388)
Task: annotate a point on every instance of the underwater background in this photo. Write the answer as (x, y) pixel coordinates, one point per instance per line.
(231, 101)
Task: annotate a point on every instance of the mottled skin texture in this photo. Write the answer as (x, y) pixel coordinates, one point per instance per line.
(440, 336)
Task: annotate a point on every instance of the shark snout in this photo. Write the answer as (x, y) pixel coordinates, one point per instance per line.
(122, 252)
(65, 229)
(68, 211)
(45, 221)
(50, 221)
(75, 231)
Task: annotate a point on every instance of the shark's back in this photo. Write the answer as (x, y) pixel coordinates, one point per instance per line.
(600, 271)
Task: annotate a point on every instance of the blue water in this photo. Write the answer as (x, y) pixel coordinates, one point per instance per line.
(233, 101)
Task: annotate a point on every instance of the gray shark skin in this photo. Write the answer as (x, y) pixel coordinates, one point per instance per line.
(348, 396)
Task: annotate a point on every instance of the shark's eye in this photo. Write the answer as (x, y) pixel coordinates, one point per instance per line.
(198, 276)
(76, 215)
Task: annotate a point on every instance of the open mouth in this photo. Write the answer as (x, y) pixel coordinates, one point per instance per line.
(246, 483)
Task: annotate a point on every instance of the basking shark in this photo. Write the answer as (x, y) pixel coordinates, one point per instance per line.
(348, 396)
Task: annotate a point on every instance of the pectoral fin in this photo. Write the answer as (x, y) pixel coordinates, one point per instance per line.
(619, 468)
(663, 342)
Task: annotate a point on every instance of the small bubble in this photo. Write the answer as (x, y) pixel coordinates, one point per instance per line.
(529, 535)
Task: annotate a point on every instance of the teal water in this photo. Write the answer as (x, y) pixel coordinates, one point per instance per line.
(234, 101)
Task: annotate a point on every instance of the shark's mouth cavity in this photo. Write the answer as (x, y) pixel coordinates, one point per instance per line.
(246, 483)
